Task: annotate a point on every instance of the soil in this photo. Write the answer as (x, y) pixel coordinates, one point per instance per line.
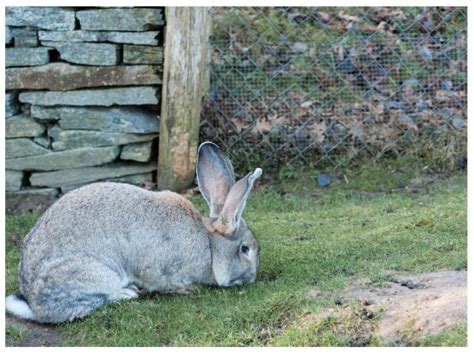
(33, 334)
(16, 203)
(410, 306)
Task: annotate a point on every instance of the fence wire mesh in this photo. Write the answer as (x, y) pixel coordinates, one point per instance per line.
(325, 86)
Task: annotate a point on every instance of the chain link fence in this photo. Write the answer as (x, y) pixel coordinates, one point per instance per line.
(326, 86)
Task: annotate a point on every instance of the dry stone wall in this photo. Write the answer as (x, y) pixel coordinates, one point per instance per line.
(82, 96)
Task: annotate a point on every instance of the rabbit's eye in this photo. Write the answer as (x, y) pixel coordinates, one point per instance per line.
(245, 249)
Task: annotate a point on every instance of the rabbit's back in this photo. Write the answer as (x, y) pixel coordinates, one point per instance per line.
(157, 239)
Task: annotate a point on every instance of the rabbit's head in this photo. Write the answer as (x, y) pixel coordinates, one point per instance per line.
(233, 246)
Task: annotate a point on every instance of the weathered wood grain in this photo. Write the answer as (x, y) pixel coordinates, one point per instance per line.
(184, 75)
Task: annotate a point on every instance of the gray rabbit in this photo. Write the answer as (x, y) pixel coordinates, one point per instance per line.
(98, 243)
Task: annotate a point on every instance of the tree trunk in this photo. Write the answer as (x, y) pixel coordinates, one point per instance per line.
(184, 75)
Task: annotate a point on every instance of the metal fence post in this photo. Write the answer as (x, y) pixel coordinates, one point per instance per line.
(184, 75)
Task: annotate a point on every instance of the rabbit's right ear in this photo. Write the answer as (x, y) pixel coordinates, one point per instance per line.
(215, 176)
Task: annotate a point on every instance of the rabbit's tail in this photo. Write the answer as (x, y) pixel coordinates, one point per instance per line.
(17, 305)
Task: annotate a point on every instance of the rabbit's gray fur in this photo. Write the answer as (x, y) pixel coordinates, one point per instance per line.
(97, 242)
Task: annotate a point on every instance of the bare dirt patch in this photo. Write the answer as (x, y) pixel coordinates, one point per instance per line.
(425, 303)
(16, 203)
(32, 334)
(407, 307)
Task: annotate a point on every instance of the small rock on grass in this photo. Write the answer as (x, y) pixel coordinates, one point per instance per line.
(462, 163)
(323, 180)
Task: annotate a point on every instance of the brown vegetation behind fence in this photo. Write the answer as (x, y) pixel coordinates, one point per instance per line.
(325, 86)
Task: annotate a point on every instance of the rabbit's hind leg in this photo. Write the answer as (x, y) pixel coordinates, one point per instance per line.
(75, 291)
(66, 302)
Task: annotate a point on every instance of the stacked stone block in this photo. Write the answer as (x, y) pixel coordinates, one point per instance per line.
(82, 96)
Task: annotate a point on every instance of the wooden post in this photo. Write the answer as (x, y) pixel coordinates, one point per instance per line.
(184, 74)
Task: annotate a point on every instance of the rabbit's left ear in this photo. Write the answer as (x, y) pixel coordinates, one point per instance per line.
(231, 213)
(215, 176)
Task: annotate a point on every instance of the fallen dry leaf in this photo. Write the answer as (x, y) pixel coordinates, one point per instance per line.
(317, 131)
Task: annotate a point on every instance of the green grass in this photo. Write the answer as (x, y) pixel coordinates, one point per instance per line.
(455, 336)
(14, 335)
(308, 241)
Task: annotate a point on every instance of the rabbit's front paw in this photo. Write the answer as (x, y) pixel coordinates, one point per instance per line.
(125, 293)
(135, 288)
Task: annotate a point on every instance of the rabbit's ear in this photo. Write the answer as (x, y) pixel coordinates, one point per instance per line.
(215, 176)
(231, 213)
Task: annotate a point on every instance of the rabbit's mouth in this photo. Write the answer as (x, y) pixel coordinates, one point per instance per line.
(241, 281)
